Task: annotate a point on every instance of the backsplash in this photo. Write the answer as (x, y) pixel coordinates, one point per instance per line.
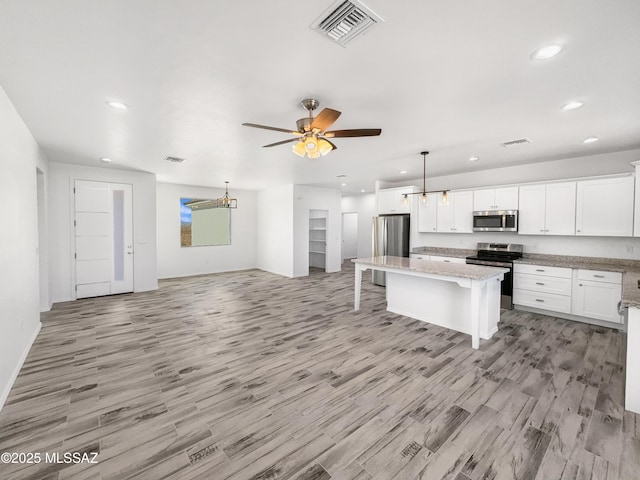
(609, 247)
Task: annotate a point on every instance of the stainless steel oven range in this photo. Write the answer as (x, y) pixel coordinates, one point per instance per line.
(499, 255)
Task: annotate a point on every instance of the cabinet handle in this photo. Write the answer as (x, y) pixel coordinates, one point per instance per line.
(446, 261)
(579, 284)
(538, 300)
(539, 270)
(539, 283)
(578, 231)
(542, 231)
(599, 276)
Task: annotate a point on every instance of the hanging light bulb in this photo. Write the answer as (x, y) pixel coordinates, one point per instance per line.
(423, 197)
(405, 199)
(445, 197)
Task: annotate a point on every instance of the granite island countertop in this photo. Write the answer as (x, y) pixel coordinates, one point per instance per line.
(456, 270)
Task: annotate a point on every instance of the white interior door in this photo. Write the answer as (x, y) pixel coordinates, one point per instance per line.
(103, 238)
(349, 235)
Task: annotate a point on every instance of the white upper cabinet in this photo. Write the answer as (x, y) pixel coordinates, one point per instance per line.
(604, 207)
(427, 213)
(636, 218)
(505, 198)
(547, 209)
(455, 216)
(391, 201)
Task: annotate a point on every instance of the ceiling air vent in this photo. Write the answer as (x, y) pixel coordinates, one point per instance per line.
(344, 21)
(513, 143)
(174, 159)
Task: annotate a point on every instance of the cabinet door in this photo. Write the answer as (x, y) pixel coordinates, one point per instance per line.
(484, 199)
(427, 213)
(506, 198)
(604, 207)
(560, 211)
(444, 215)
(597, 300)
(392, 201)
(531, 215)
(462, 212)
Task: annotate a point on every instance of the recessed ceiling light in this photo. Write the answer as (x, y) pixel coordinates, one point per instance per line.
(590, 140)
(343, 184)
(105, 160)
(546, 52)
(117, 105)
(474, 159)
(362, 191)
(573, 105)
(403, 171)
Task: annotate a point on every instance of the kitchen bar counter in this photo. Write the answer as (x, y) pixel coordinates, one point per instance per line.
(462, 297)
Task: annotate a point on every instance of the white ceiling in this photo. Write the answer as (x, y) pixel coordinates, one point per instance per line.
(454, 78)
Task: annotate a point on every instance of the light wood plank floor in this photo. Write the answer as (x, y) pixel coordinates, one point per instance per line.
(248, 375)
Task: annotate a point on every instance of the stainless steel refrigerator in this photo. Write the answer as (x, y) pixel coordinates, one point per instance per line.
(390, 237)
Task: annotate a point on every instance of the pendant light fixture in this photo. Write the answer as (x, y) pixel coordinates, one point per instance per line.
(424, 193)
(226, 201)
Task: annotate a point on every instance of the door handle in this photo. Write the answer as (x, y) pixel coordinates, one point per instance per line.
(129, 253)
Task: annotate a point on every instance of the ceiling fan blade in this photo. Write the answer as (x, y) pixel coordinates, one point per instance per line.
(255, 125)
(357, 132)
(325, 119)
(282, 142)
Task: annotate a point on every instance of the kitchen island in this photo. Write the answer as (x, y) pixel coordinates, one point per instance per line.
(465, 298)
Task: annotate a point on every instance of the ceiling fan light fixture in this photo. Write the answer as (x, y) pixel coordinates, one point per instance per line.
(298, 149)
(324, 146)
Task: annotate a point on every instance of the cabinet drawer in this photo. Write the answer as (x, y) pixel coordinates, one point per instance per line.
(542, 270)
(545, 301)
(600, 276)
(541, 283)
(437, 258)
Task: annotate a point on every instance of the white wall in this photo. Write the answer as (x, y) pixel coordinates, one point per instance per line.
(176, 261)
(587, 166)
(19, 263)
(316, 198)
(61, 179)
(365, 206)
(275, 230)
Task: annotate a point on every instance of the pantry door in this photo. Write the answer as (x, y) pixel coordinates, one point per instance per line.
(103, 238)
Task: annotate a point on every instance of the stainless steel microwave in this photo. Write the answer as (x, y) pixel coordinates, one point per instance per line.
(495, 221)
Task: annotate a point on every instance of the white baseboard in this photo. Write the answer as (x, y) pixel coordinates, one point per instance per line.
(23, 357)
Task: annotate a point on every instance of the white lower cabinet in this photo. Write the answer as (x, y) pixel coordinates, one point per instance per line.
(597, 294)
(548, 288)
(584, 293)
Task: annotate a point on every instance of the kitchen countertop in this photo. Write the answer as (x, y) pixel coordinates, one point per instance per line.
(445, 252)
(456, 270)
(630, 269)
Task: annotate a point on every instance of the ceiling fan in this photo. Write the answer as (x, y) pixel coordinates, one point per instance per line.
(312, 135)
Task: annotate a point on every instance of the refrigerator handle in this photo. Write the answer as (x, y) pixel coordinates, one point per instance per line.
(384, 238)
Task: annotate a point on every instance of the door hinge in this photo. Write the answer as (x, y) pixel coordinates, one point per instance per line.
(74, 223)
(75, 255)
(74, 189)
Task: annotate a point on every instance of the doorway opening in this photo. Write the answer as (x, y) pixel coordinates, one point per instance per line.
(318, 240)
(349, 235)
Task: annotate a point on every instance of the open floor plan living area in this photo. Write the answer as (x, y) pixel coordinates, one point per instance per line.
(341, 240)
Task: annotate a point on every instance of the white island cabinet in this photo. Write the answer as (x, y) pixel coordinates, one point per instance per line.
(462, 297)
